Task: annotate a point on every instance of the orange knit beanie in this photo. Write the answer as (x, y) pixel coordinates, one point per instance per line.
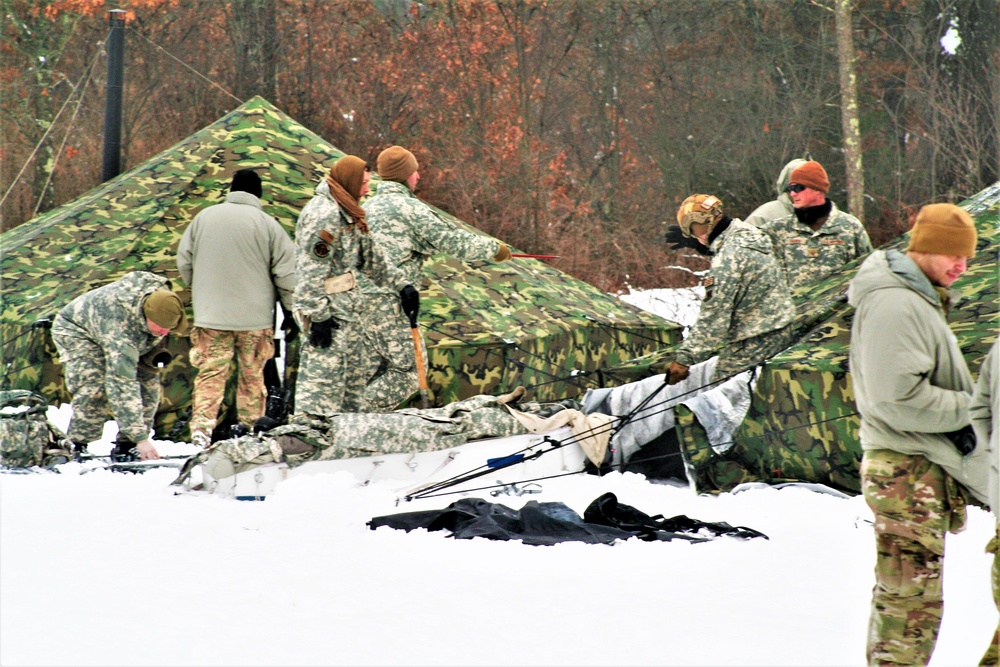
(812, 175)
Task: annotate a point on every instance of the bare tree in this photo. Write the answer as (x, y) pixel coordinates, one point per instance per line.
(255, 39)
(849, 109)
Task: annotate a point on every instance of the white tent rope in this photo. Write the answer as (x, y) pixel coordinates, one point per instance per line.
(69, 130)
(193, 70)
(48, 130)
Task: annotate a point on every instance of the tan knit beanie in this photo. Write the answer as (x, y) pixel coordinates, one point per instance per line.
(165, 309)
(943, 229)
(812, 175)
(396, 163)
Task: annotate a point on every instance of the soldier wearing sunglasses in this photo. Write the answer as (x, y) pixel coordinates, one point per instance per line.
(817, 238)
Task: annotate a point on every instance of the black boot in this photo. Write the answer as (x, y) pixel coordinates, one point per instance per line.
(124, 450)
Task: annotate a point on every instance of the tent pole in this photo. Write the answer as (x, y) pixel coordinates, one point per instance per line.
(111, 165)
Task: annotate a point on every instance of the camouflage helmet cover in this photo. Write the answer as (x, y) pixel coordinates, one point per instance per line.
(699, 209)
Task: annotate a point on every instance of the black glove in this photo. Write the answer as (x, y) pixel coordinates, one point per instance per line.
(289, 326)
(321, 333)
(964, 439)
(677, 241)
(409, 298)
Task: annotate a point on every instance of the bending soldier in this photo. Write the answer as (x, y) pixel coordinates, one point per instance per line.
(747, 311)
(103, 338)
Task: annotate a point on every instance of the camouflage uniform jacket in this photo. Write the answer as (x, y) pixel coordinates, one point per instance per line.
(111, 317)
(809, 256)
(408, 230)
(985, 414)
(329, 244)
(911, 385)
(745, 294)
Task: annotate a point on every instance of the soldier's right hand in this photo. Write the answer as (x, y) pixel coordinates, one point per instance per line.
(147, 451)
(409, 299)
(321, 333)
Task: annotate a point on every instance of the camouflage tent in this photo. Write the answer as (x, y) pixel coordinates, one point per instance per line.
(803, 424)
(489, 327)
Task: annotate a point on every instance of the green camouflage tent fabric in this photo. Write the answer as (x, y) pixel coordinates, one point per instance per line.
(488, 327)
(803, 424)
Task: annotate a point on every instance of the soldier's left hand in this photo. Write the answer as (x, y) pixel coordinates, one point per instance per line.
(676, 372)
(289, 326)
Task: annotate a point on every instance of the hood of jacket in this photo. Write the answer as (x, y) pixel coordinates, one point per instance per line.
(783, 178)
(886, 269)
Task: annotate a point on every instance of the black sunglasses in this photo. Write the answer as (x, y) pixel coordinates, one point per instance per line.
(795, 187)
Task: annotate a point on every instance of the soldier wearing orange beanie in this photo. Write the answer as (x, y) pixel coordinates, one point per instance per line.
(817, 238)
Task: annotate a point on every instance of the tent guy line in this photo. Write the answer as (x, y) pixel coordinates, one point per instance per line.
(514, 459)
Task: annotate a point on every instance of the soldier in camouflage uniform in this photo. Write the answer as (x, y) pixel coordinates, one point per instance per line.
(338, 270)
(747, 312)
(817, 238)
(103, 337)
(781, 206)
(913, 391)
(408, 231)
(985, 415)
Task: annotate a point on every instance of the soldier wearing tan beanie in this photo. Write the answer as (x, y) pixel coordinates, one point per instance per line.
(396, 164)
(407, 231)
(943, 229)
(920, 465)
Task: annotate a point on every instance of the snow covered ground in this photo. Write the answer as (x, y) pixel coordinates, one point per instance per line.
(114, 569)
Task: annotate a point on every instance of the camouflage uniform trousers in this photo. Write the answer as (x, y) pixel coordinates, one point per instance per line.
(740, 355)
(84, 368)
(329, 380)
(212, 354)
(915, 503)
(991, 655)
(391, 369)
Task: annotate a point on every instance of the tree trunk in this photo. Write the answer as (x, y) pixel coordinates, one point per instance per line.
(255, 38)
(849, 110)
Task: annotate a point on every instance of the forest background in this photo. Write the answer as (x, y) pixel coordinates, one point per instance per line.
(570, 127)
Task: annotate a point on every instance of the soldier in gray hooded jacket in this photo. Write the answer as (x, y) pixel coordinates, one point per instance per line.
(913, 390)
